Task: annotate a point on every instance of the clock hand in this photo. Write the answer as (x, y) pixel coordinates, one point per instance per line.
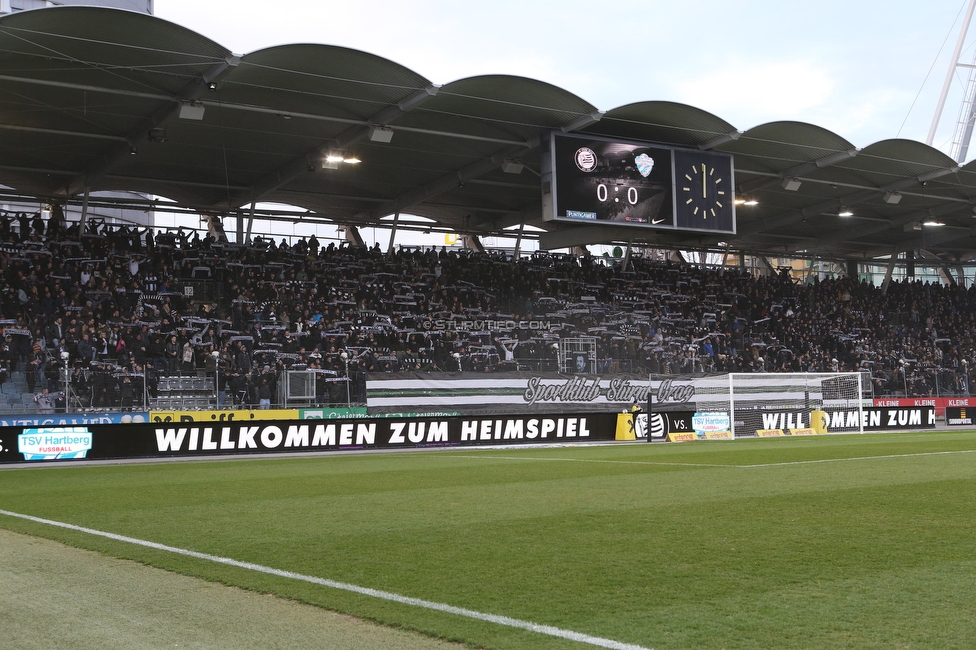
(704, 190)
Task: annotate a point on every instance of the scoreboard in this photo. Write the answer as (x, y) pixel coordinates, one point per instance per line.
(637, 184)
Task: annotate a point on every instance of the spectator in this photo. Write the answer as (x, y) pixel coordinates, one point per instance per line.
(187, 357)
(46, 401)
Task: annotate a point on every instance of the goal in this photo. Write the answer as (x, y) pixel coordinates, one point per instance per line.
(825, 402)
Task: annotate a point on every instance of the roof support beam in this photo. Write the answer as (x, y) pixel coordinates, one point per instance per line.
(798, 170)
(718, 141)
(70, 134)
(765, 263)
(518, 242)
(450, 181)
(892, 263)
(471, 242)
(626, 259)
(104, 163)
(393, 229)
(95, 89)
(917, 193)
(240, 226)
(581, 236)
(443, 184)
(787, 218)
(353, 236)
(934, 239)
(84, 216)
(405, 105)
(497, 224)
(582, 122)
(851, 199)
(250, 223)
(353, 122)
(354, 133)
(849, 234)
(945, 268)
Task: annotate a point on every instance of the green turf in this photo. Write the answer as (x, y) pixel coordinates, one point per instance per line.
(55, 597)
(744, 544)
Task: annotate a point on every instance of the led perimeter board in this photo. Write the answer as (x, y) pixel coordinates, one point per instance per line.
(594, 180)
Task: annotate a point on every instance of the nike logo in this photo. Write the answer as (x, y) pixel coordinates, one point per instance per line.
(654, 222)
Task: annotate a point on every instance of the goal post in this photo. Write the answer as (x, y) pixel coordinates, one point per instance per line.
(825, 402)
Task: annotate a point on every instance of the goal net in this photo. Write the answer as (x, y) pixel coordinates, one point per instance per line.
(824, 402)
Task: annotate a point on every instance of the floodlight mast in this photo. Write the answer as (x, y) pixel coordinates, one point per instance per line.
(952, 69)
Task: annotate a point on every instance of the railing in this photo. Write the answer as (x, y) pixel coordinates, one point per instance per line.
(923, 382)
(201, 390)
(281, 390)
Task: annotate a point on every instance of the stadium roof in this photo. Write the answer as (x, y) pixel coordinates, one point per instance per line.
(114, 100)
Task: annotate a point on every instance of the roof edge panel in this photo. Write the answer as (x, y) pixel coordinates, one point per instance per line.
(62, 20)
(799, 127)
(895, 146)
(583, 106)
(380, 61)
(654, 107)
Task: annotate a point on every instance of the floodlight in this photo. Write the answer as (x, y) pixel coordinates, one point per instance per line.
(191, 110)
(512, 166)
(382, 134)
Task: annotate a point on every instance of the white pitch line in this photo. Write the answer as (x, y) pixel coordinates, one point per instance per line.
(345, 586)
(838, 460)
(720, 466)
(590, 460)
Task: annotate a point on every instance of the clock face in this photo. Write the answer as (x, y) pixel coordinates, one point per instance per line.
(707, 197)
(704, 196)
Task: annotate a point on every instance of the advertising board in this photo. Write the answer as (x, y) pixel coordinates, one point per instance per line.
(959, 416)
(166, 439)
(224, 415)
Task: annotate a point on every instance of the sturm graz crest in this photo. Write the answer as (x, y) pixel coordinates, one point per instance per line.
(658, 425)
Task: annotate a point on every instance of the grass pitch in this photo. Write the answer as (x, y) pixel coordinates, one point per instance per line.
(840, 541)
(55, 596)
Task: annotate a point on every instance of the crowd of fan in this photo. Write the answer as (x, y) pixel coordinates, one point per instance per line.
(112, 308)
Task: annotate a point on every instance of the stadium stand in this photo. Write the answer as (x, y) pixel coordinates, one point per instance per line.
(135, 315)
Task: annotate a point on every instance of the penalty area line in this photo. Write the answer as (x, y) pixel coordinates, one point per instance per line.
(345, 586)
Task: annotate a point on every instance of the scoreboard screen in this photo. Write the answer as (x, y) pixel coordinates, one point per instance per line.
(639, 184)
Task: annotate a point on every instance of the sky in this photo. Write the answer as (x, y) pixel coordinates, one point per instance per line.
(868, 70)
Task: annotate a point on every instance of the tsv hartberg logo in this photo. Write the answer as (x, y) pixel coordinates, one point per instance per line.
(54, 443)
(645, 164)
(704, 423)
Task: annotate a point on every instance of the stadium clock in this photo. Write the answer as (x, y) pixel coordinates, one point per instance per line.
(704, 196)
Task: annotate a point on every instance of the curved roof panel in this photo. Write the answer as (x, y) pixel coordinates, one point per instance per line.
(308, 78)
(514, 99)
(107, 99)
(125, 50)
(901, 159)
(666, 122)
(781, 146)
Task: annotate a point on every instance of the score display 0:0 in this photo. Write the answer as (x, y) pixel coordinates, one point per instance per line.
(603, 194)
